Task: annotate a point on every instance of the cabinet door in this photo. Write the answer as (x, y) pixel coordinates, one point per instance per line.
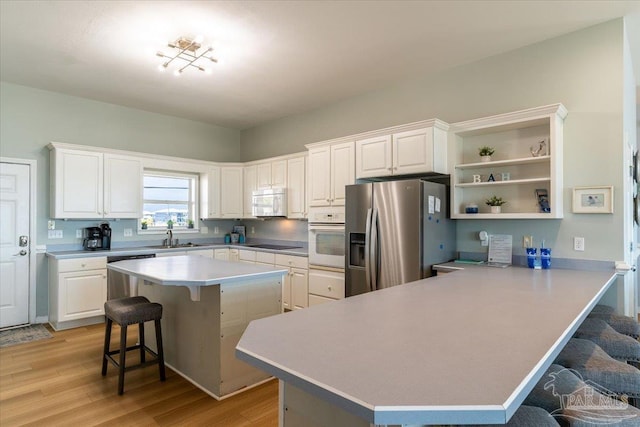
(413, 151)
(342, 171)
(210, 193)
(222, 254)
(122, 187)
(231, 192)
(77, 184)
(81, 294)
(207, 253)
(249, 183)
(373, 157)
(319, 176)
(286, 292)
(299, 288)
(263, 175)
(296, 188)
(279, 174)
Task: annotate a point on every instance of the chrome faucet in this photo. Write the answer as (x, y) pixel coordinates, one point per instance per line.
(170, 240)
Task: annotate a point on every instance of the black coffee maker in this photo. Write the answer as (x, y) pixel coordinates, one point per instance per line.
(97, 238)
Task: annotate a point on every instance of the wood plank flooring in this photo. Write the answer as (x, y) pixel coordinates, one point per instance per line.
(57, 382)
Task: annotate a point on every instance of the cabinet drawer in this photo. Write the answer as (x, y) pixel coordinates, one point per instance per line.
(328, 284)
(315, 300)
(266, 257)
(246, 255)
(82, 264)
(292, 261)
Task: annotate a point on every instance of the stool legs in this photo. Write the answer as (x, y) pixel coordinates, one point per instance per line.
(160, 349)
(123, 353)
(141, 339)
(107, 340)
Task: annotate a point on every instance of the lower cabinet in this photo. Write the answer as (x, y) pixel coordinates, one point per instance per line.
(77, 292)
(325, 286)
(295, 289)
(222, 254)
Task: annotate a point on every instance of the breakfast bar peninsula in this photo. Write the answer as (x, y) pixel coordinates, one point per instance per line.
(207, 304)
(462, 348)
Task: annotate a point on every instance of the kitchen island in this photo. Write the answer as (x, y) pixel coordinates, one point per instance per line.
(207, 305)
(462, 348)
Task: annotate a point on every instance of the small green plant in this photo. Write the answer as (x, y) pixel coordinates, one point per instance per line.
(170, 224)
(495, 201)
(189, 223)
(486, 150)
(146, 222)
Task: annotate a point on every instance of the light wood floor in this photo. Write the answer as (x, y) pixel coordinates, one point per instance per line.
(57, 382)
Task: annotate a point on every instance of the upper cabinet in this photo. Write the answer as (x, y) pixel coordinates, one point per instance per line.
(413, 151)
(249, 184)
(272, 174)
(92, 185)
(331, 168)
(296, 187)
(526, 163)
(221, 192)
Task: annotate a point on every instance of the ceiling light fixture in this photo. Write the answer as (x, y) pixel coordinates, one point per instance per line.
(187, 50)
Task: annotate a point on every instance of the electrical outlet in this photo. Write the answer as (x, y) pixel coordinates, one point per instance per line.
(578, 244)
(51, 225)
(253, 230)
(527, 241)
(128, 232)
(216, 230)
(79, 233)
(54, 234)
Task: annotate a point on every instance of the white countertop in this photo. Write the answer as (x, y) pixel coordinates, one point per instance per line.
(193, 270)
(465, 347)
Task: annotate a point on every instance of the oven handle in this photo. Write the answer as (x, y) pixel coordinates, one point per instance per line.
(336, 228)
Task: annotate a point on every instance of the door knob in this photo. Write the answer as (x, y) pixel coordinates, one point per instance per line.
(21, 253)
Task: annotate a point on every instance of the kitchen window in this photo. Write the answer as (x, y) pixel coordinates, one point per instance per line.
(169, 198)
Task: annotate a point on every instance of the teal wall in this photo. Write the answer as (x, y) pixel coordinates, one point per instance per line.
(583, 70)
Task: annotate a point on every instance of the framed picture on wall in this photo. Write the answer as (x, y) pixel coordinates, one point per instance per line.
(593, 200)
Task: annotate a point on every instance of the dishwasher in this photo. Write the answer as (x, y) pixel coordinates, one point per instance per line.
(119, 284)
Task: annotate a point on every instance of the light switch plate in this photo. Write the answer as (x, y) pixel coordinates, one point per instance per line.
(527, 241)
(578, 244)
(79, 233)
(51, 225)
(128, 232)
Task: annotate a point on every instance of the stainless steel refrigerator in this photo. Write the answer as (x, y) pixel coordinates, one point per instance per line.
(395, 232)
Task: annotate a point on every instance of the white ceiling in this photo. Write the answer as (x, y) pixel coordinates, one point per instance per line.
(278, 58)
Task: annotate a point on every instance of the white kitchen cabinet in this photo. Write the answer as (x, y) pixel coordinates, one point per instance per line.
(221, 254)
(325, 285)
(249, 184)
(207, 253)
(412, 151)
(272, 174)
(266, 258)
(513, 173)
(248, 256)
(170, 253)
(91, 185)
(295, 288)
(296, 188)
(331, 168)
(221, 192)
(77, 292)
(231, 192)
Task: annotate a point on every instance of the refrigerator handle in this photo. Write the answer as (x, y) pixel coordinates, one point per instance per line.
(367, 247)
(373, 259)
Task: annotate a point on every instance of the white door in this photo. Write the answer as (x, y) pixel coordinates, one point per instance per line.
(14, 259)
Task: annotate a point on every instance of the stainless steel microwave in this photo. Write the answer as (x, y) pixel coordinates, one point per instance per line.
(269, 202)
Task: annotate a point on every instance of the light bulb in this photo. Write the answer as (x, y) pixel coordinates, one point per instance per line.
(160, 54)
(161, 67)
(198, 39)
(177, 73)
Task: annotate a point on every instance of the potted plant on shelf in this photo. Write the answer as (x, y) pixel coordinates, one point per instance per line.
(496, 204)
(190, 223)
(485, 153)
(145, 223)
(169, 224)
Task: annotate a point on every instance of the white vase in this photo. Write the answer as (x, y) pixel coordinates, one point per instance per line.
(485, 159)
(496, 209)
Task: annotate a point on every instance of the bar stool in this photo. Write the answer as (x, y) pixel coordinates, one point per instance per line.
(564, 394)
(125, 312)
(622, 324)
(619, 346)
(596, 366)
